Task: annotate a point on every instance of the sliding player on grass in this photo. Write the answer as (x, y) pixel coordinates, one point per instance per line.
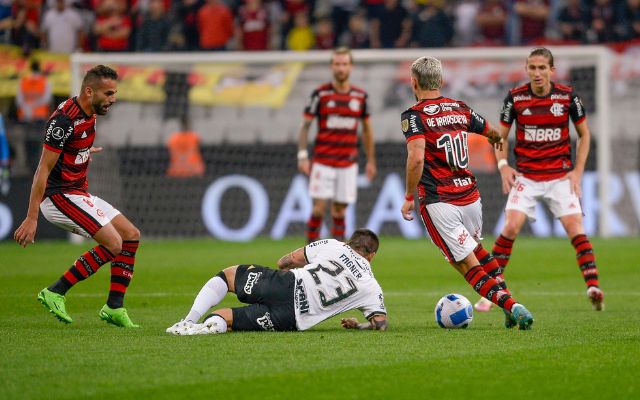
(315, 282)
(436, 130)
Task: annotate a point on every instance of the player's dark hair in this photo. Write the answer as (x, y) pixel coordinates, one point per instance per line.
(364, 241)
(95, 74)
(544, 52)
(342, 50)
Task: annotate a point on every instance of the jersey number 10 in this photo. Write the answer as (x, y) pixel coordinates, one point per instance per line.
(455, 149)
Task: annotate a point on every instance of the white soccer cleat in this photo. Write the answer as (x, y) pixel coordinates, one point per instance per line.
(212, 325)
(596, 296)
(181, 328)
(483, 305)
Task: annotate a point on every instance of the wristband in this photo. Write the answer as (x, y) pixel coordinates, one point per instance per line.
(303, 154)
(502, 163)
(409, 197)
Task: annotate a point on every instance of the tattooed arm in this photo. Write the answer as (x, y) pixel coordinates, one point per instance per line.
(295, 259)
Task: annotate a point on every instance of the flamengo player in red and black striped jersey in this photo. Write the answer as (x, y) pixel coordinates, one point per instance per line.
(333, 172)
(59, 190)
(541, 110)
(436, 130)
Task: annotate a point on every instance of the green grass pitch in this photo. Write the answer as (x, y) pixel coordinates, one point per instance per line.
(571, 353)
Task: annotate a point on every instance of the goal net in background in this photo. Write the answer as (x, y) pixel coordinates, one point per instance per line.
(247, 110)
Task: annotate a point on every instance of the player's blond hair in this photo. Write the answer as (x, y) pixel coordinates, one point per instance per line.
(340, 51)
(428, 73)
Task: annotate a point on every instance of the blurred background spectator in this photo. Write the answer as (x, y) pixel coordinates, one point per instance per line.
(112, 27)
(185, 159)
(252, 26)
(392, 28)
(325, 37)
(300, 36)
(33, 102)
(154, 29)
(62, 29)
(215, 25)
(25, 25)
(432, 27)
(573, 21)
(532, 19)
(6, 21)
(492, 20)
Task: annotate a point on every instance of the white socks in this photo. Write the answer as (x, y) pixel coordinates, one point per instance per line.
(210, 295)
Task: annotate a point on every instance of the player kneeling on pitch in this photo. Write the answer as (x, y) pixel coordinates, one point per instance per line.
(313, 283)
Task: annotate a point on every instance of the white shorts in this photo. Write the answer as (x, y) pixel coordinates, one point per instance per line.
(556, 193)
(82, 215)
(338, 184)
(455, 230)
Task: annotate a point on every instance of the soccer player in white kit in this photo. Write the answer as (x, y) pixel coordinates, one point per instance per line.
(436, 130)
(313, 283)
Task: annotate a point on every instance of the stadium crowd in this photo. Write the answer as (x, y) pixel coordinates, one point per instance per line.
(64, 26)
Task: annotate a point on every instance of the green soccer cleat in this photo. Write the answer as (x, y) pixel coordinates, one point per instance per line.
(509, 321)
(522, 316)
(54, 302)
(117, 317)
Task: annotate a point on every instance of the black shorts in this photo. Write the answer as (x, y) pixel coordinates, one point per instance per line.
(270, 295)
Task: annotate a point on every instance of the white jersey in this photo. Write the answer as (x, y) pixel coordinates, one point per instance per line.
(336, 279)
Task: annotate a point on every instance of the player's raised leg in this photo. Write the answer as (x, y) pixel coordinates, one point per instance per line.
(585, 258)
(122, 267)
(78, 214)
(493, 269)
(211, 294)
(501, 252)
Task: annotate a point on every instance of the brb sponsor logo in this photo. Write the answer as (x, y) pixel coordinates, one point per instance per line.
(338, 122)
(541, 134)
(252, 278)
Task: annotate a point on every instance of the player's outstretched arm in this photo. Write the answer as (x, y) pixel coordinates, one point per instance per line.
(376, 323)
(369, 149)
(26, 232)
(295, 259)
(415, 164)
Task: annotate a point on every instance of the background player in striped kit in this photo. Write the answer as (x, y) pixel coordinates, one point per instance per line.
(544, 169)
(436, 130)
(60, 191)
(333, 171)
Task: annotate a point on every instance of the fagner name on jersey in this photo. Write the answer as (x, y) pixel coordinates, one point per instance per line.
(447, 120)
(344, 259)
(339, 122)
(542, 135)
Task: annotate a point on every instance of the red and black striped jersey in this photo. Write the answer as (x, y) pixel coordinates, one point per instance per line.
(543, 146)
(338, 116)
(444, 124)
(69, 132)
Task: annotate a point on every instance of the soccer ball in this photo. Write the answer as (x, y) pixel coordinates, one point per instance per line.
(454, 311)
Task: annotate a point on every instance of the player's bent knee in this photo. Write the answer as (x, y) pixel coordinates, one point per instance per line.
(131, 234)
(230, 277)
